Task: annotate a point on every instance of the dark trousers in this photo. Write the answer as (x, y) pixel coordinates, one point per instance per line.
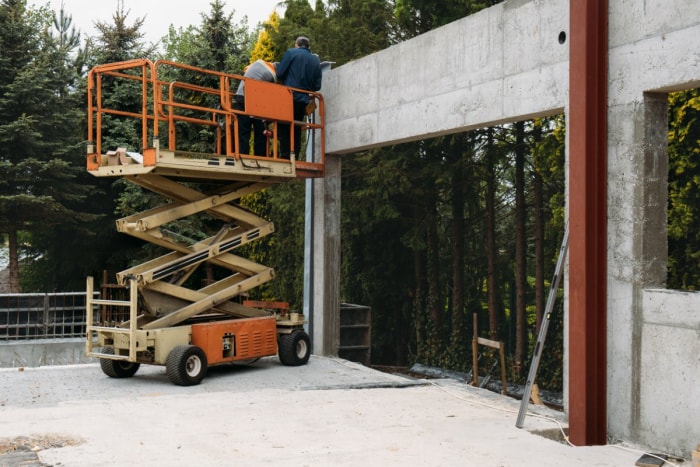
(246, 126)
(284, 133)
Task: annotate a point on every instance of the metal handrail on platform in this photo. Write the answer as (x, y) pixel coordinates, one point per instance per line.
(179, 96)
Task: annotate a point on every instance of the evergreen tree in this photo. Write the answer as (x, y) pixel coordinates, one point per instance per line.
(40, 152)
(355, 28)
(419, 16)
(218, 45)
(299, 20)
(118, 40)
(264, 48)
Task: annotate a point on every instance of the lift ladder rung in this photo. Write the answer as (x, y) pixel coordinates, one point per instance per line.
(109, 329)
(108, 355)
(110, 302)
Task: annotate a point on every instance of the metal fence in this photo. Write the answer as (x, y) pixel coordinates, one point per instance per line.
(42, 315)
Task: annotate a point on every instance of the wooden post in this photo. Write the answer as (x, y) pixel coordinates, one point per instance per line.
(475, 351)
(504, 383)
(476, 341)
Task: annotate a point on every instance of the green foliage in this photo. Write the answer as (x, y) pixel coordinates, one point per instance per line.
(398, 240)
(419, 16)
(264, 48)
(684, 191)
(355, 28)
(284, 249)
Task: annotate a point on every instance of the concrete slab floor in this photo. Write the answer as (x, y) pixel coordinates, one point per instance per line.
(328, 412)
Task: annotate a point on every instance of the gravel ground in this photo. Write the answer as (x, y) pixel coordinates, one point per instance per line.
(329, 412)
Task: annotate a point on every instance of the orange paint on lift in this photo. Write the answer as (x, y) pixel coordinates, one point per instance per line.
(237, 339)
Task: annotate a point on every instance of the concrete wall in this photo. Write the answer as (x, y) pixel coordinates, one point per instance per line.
(669, 347)
(654, 48)
(507, 63)
(43, 352)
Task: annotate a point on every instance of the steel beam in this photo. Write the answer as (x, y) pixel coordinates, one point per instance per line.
(588, 221)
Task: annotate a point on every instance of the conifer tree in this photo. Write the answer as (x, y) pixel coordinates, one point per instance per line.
(40, 136)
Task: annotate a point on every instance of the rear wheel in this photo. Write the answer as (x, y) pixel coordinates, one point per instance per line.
(294, 348)
(186, 365)
(117, 368)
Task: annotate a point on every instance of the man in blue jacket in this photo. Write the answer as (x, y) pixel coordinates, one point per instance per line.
(300, 69)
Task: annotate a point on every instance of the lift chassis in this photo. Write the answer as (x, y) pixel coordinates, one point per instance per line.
(167, 320)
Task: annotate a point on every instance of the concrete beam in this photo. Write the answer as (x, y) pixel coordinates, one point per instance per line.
(492, 67)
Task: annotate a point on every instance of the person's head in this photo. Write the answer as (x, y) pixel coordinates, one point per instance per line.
(302, 42)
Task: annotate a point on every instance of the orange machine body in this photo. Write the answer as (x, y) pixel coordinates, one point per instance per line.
(238, 339)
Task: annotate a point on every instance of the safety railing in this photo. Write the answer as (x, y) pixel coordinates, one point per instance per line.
(173, 104)
(42, 315)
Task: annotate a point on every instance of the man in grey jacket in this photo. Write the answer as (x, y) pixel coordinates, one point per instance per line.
(263, 71)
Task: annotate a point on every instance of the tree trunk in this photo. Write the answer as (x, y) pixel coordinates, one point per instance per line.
(419, 303)
(434, 295)
(13, 247)
(520, 250)
(491, 236)
(458, 313)
(538, 188)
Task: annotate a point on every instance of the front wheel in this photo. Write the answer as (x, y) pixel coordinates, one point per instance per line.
(294, 348)
(117, 368)
(186, 365)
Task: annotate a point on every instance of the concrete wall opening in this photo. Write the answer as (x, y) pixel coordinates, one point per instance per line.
(684, 190)
(437, 230)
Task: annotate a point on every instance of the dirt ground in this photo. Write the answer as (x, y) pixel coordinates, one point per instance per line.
(328, 412)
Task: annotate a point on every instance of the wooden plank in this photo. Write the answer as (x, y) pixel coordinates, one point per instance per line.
(489, 343)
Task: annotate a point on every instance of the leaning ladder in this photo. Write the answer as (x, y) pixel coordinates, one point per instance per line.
(554, 287)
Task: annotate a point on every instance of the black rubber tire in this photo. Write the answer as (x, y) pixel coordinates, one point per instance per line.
(295, 348)
(186, 365)
(117, 368)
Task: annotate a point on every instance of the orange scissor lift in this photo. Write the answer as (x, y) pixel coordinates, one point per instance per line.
(166, 320)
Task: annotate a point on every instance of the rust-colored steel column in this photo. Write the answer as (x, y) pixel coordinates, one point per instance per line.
(588, 82)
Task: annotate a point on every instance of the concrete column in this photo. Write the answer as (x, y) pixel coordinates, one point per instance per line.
(637, 253)
(325, 260)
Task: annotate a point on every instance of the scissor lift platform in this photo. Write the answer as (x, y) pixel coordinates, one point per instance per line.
(166, 322)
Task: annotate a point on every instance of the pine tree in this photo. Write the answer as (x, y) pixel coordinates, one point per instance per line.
(39, 131)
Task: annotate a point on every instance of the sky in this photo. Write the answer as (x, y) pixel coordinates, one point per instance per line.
(159, 14)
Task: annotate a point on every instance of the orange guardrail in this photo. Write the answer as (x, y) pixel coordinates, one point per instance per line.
(173, 103)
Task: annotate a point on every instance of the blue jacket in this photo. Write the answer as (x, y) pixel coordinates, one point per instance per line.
(301, 69)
